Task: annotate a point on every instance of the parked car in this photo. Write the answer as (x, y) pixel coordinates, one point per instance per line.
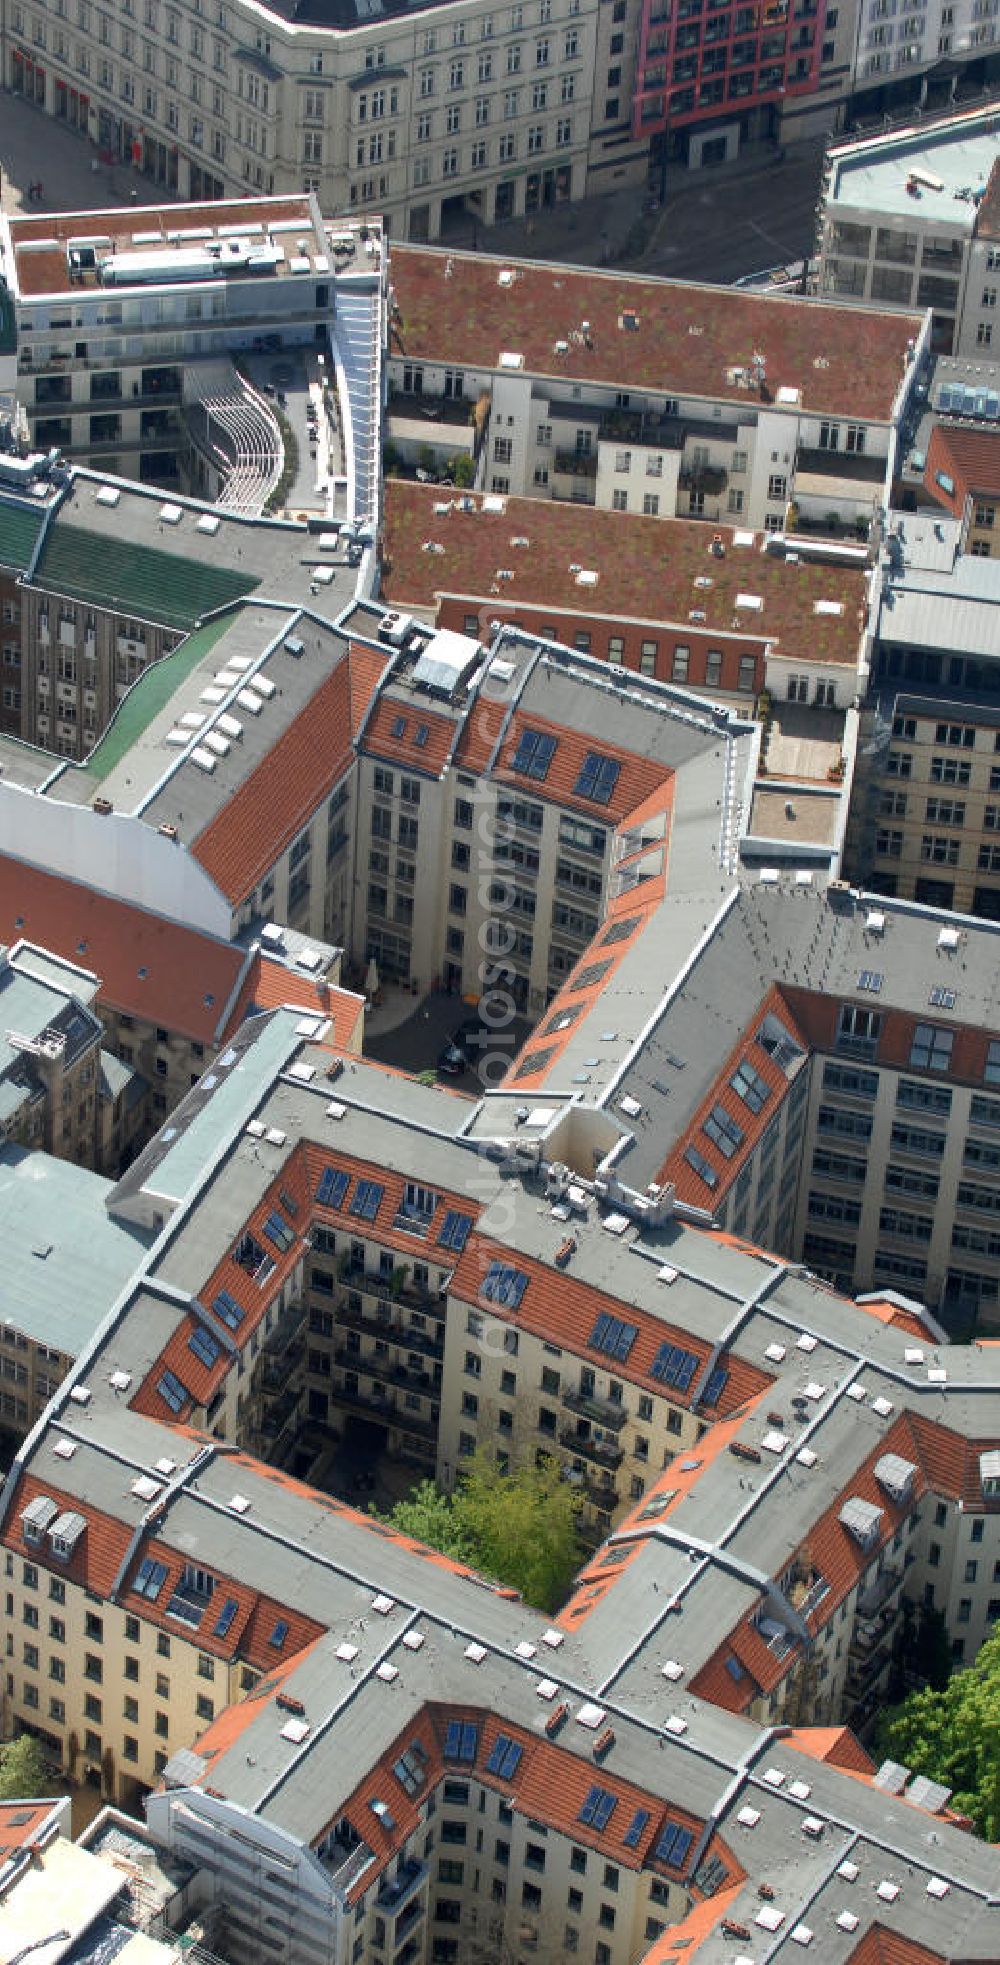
(463, 1049)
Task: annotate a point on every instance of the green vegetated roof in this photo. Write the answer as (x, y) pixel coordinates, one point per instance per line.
(19, 530)
(131, 579)
(150, 693)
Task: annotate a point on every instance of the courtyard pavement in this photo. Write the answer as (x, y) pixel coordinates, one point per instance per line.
(714, 224)
(35, 147)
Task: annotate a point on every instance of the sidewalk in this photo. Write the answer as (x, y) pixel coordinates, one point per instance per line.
(35, 146)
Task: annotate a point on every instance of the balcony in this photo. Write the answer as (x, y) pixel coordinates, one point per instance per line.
(605, 1412)
(642, 427)
(711, 479)
(600, 1494)
(392, 1329)
(394, 1896)
(385, 1407)
(432, 410)
(600, 1451)
(426, 1382)
(575, 463)
(881, 1593)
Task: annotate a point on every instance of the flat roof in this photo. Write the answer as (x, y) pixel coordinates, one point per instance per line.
(649, 570)
(39, 244)
(465, 310)
(953, 157)
(52, 1214)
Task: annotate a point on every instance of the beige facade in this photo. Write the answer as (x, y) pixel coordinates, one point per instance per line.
(925, 818)
(77, 663)
(486, 111)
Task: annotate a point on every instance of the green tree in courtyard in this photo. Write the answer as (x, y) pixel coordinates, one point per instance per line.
(23, 1770)
(953, 1735)
(519, 1528)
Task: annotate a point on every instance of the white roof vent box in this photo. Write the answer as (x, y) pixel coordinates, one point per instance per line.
(862, 1519)
(895, 1475)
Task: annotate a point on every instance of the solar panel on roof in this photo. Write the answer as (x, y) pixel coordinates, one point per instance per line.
(367, 1199)
(504, 1284)
(172, 1391)
(504, 1757)
(204, 1346)
(717, 1382)
(673, 1844)
(225, 1617)
(150, 1578)
(278, 1231)
(534, 754)
(227, 1310)
(333, 1185)
(455, 1231)
(598, 1808)
(461, 1741)
(633, 1833)
(597, 777)
(945, 398)
(674, 1366)
(613, 1336)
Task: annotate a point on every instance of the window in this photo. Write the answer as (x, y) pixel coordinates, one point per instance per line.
(777, 485)
(931, 1048)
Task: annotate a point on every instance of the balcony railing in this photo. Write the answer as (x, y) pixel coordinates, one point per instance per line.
(605, 1454)
(605, 1412)
(575, 463)
(392, 1329)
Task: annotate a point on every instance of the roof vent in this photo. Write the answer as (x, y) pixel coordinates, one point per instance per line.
(591, 1716)
(896, 1475)
(862, 1519)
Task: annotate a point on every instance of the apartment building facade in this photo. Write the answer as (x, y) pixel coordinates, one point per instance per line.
(484, 112)
(513, 1780)
(642, 396)
(117, 316)
(910, 219)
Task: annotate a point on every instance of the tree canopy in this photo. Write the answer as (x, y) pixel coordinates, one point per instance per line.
(23, 1770)
(953, 1735)
(518, 1528)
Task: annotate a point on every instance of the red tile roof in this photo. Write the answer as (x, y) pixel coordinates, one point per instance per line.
(647, 571)
(835, 1744)
(689, 1184)
(270, 808)
(882, 1947)
(234, 1719)
(687, 338)
(20, 1822)
(270, 985)
(638, 776)
(98, 1554)
(549, 1784)
(557, 1308)
(380, 739)
(538, 1061)
(148, 967)
(970, 458)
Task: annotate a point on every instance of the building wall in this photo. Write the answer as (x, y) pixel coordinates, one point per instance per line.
(719, 459)
(11, 699)
(383, 117)
(925, 822)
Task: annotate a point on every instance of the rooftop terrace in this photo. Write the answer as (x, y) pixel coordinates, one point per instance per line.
(647, 569)
(643, 333)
